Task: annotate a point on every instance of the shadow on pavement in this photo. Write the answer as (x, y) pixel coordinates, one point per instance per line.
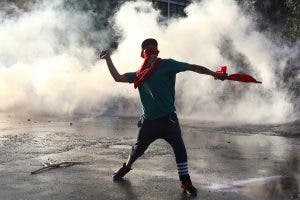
(126, 188)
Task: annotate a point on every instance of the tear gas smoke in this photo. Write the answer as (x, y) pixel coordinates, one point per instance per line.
(48, 63)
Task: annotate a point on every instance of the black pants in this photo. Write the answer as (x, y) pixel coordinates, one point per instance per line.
(166, 128)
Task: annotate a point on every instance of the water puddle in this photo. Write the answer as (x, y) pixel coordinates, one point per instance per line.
(273, 187)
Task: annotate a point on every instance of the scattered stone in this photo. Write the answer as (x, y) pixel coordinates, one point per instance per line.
(28, 119)
(71, 123)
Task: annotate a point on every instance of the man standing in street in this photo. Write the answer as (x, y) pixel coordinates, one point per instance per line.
(155, 81)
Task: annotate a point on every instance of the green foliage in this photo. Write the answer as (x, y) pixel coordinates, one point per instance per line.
(280, 16)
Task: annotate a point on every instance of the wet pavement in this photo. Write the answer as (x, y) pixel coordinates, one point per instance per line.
(225, 161)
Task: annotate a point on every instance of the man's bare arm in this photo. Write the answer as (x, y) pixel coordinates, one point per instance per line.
(203, 70)
(112, 69)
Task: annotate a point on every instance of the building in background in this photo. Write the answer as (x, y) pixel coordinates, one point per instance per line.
(171, 8)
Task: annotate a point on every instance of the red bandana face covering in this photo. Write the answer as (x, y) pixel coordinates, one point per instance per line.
(147, 67)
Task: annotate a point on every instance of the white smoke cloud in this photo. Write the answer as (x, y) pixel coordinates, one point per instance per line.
(196, 39)
(47, 66)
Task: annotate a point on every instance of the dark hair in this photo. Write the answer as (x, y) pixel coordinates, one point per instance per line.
(149, 41)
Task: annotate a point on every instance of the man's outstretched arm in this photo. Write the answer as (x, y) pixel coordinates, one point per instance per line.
(112, 69)
(203, 70)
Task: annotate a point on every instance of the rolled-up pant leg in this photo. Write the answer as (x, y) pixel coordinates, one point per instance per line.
(146, 135)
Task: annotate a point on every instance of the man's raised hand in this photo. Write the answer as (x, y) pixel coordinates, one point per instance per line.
(104, 54)
(220, 76)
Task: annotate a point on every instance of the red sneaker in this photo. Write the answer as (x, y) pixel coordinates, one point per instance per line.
(118, 175)
(189, 189)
